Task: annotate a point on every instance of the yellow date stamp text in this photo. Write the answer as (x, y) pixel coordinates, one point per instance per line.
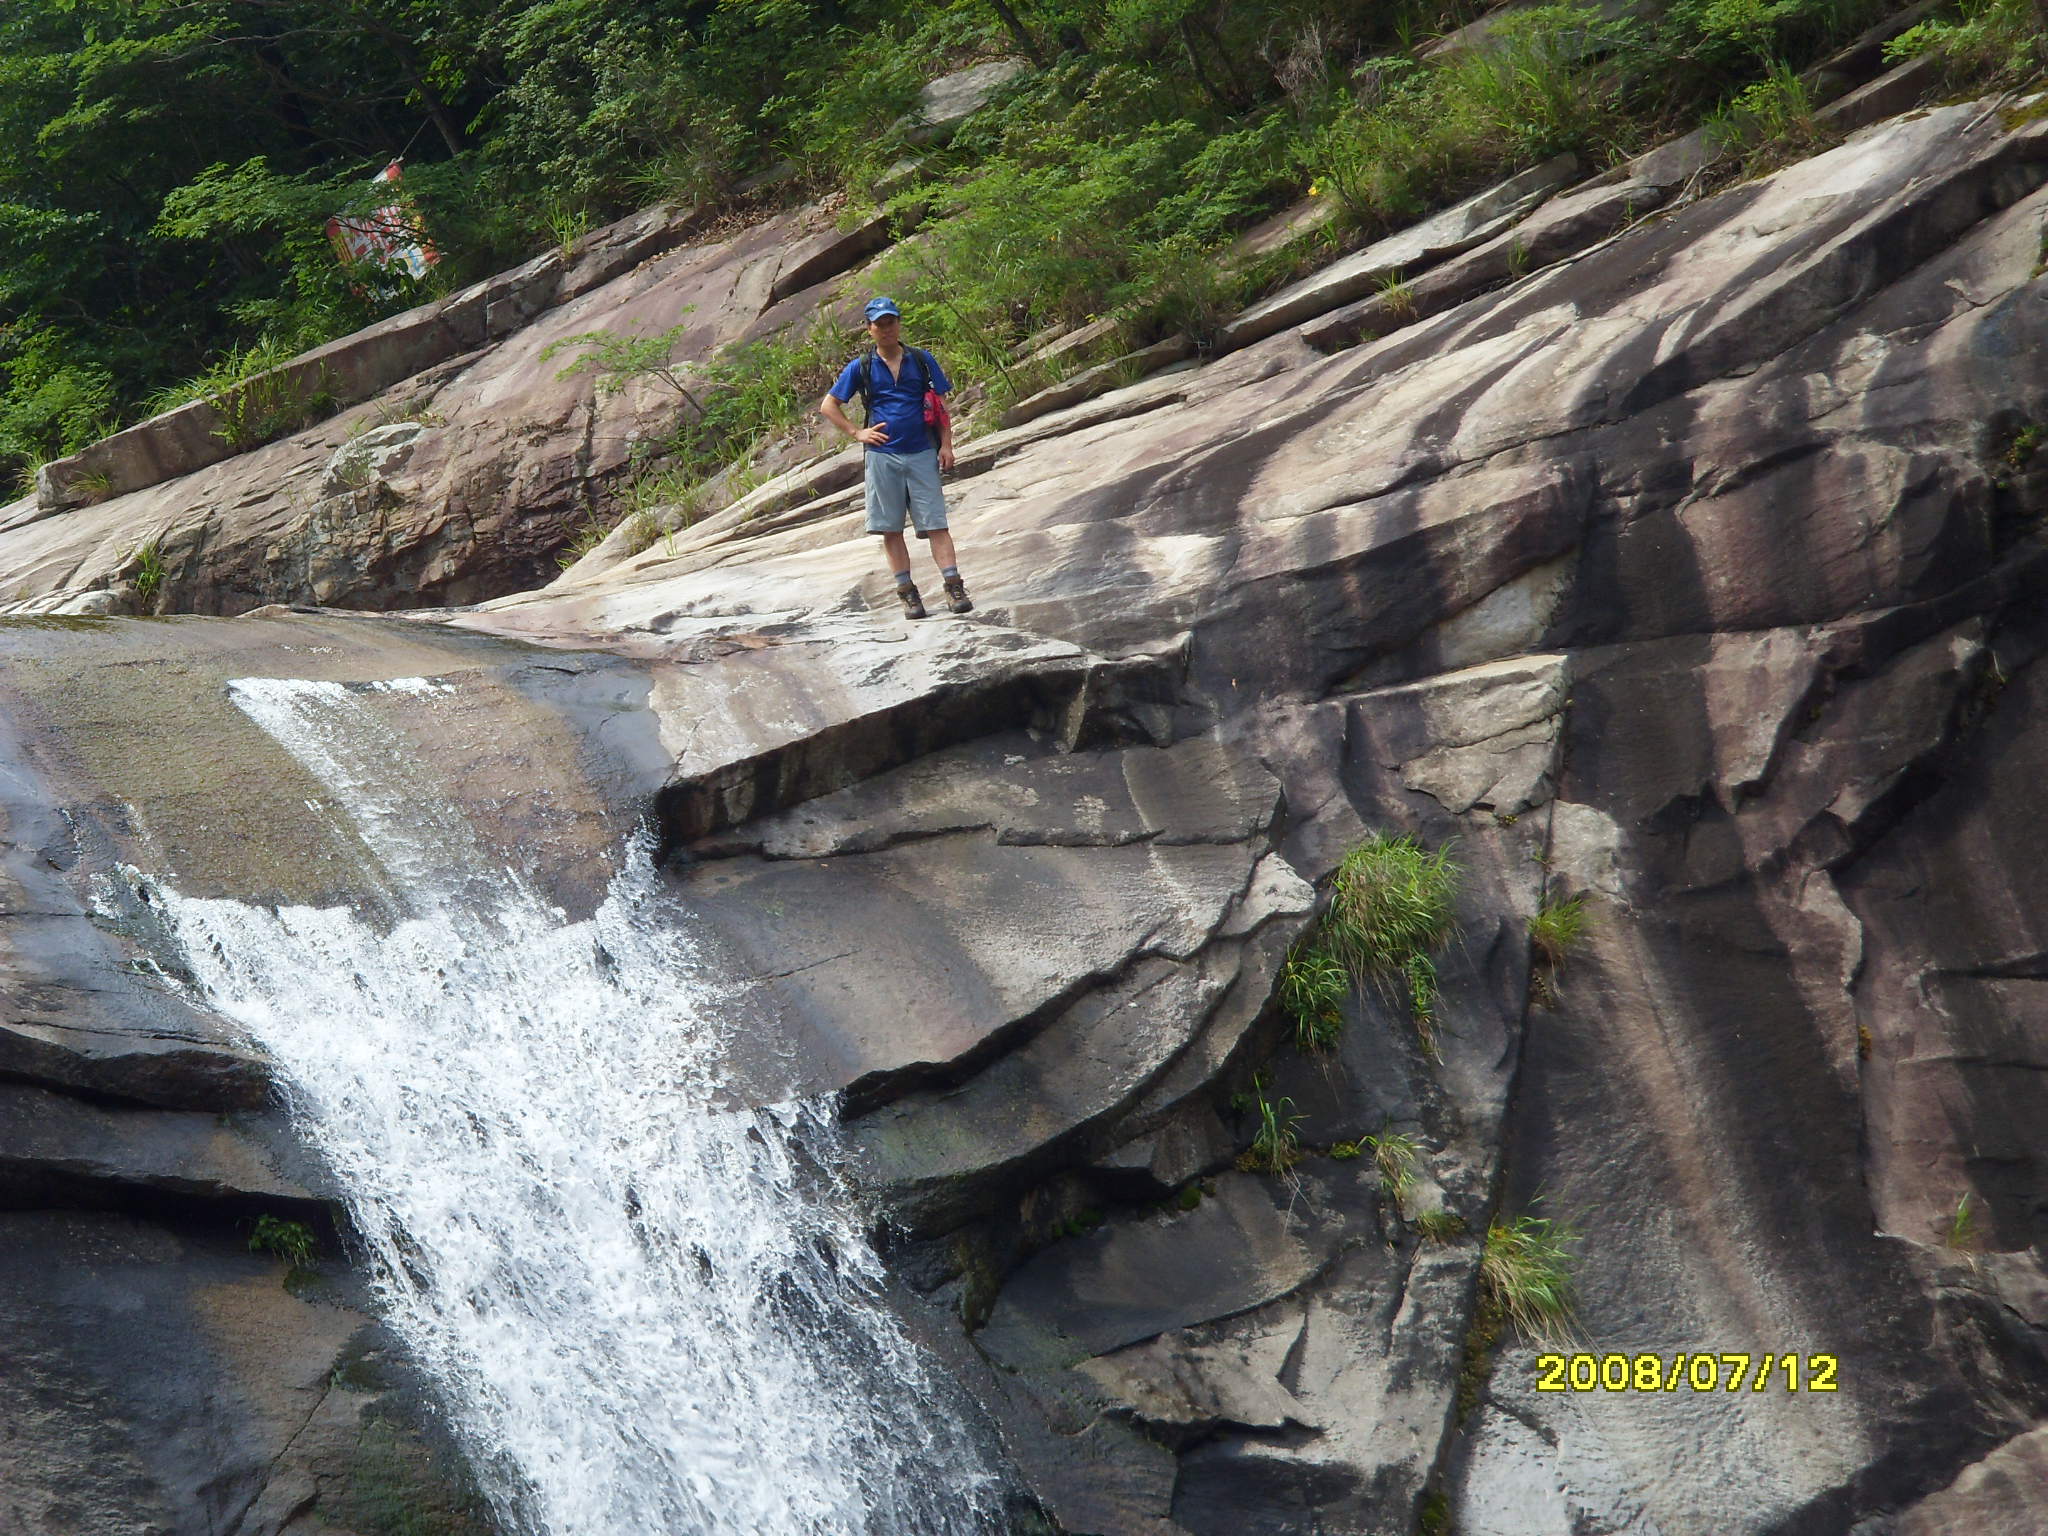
(1687, 1373)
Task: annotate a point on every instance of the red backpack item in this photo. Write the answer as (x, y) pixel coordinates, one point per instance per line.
(936, 416)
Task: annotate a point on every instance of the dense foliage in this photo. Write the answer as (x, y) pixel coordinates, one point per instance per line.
(166, 166)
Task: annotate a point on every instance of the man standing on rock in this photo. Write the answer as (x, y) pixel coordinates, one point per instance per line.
(903, 463)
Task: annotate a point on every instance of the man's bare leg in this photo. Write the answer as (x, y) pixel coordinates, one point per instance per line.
(897, 553)
(941, 542)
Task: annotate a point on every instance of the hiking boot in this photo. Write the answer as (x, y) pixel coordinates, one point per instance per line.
(913, 605)
(957, 598)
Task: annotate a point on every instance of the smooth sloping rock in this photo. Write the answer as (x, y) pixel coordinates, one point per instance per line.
(947, 102)
(1558, 230)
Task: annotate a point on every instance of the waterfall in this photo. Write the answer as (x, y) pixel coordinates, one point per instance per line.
(647, 1312)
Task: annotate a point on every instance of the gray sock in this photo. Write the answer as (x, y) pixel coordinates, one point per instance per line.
(949, 573)
(903, 578)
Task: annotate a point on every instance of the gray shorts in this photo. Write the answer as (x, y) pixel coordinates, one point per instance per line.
(905, 481)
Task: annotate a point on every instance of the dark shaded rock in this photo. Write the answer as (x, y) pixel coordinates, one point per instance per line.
(166, 1382)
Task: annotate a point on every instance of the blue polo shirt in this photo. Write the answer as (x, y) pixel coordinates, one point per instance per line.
(898, 399)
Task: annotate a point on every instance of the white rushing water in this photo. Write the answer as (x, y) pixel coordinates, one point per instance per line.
(647, 1315)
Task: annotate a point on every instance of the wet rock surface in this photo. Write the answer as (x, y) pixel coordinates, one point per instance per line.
(1698, 576)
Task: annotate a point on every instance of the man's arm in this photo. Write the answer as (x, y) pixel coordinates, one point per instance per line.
(834, 412)
(943, 387)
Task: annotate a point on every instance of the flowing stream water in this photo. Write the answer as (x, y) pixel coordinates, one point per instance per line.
(647, 1313)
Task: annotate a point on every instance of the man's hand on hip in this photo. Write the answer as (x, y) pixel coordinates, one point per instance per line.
(873, 436)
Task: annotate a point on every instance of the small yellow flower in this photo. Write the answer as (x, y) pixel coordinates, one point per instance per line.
(1315, 189)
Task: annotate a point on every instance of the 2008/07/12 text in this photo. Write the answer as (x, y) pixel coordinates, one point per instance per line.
(1686, 1372)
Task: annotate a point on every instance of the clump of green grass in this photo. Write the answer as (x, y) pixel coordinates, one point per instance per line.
(1557, 928)
(1394, 1156)
(2026, 442)
(1438, 1226)
(1772, 123)
(1346, 1151)
(1398, 295)
(292, 1241)
(1275, 1147)
(1391, 910)
(1960, 1234)
(1525, 1276)
(1548, 82)
(1313, 986)
(150, 573)
(353, 469)
(593, 532)
(1391, 900)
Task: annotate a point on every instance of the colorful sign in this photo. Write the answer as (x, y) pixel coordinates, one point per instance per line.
(389, 237)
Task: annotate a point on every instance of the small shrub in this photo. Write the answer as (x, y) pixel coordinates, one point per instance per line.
(269, 406)
(1313, 986)
(1080, 1225)
(1985, 43)
(2026, 442)
(1525, 1275)
(292, 1241)
(353, 469)
(1346, 1151)
(616, 360)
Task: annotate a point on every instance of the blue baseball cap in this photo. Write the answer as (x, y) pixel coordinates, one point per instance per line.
(880, 307)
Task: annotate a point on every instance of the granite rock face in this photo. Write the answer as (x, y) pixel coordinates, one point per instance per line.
(1698, 577)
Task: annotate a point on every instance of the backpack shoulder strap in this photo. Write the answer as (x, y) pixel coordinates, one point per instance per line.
(866, 379)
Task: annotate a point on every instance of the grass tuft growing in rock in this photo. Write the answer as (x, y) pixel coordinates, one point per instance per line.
(1394, 1155)
(1525, 1277)
(1313, 986)
(150, 572)
(1390, 912)
(1557, 928)
(1438, 1226)
(1390, 901)
(1275, 1147)
(1960, 1234)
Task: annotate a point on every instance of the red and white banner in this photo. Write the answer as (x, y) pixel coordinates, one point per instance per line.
(389, 237)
